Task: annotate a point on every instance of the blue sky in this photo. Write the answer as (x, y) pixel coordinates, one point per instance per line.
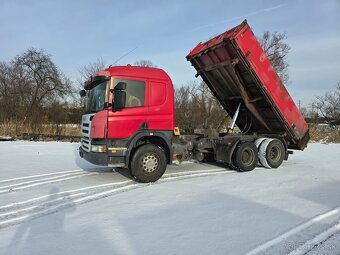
(78, 32)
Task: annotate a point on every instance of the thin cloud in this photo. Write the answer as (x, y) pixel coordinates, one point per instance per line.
(242, 16)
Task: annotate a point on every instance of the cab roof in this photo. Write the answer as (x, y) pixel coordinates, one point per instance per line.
(136, 72)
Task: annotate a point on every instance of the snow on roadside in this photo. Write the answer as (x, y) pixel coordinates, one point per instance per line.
(312, 243)
(329, 246)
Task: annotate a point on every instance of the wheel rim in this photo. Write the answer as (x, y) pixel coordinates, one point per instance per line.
(248, 157)
(274, 153)
(149, 162)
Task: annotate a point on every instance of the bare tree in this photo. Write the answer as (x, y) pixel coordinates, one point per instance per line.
(86, 72)
(91, 69)
(144, 63)
(304, 112)
(277, 49)
(196, 107)
(328, 106)
(183, 107)
(28, 83)
(44, 81)
(6, 91)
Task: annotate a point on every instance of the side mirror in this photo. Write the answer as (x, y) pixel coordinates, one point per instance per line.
(119, 96)
(119, 100)
(120, 86)
(82, 93)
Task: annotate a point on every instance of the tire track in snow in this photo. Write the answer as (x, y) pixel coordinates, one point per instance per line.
(40, 175)
(311, 244)
(42, 181)
(304, 237)
(20, 212)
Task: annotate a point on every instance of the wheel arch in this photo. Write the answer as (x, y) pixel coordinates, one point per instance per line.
(161, 139)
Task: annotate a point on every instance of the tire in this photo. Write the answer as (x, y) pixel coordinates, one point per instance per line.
(148, 163)
(245, 157)
(271, 153)
(258, 143)
(232, 166)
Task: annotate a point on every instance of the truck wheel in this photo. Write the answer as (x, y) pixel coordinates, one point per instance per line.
(271, 153)
(148, 163)
(258, 143)
(245, 157)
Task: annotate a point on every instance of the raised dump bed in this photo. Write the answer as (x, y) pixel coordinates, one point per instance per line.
(236, 69)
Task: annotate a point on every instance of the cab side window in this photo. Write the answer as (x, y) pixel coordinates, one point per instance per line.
(135, 92)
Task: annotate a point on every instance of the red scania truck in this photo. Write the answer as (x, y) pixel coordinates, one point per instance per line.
(130, 119)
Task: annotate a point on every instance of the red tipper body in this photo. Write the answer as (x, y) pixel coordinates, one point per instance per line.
(236, 69)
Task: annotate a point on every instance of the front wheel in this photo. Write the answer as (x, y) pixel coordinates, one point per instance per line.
(148, 163)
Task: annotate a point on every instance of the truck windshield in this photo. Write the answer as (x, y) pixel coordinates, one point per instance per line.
(96, 98)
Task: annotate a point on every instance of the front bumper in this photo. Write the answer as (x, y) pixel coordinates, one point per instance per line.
(102, 159)
(96, 158)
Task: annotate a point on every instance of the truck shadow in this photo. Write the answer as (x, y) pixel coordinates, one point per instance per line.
(125, 173)
(30, 228)
(87, 166)
(53, 233)
(324, 193)
(216, 164)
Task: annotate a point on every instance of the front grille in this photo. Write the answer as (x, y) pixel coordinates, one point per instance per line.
(85, 132)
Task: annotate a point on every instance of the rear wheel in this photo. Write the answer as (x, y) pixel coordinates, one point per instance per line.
(148, 163)
(245, 157)
(271, 153)
(258, 143)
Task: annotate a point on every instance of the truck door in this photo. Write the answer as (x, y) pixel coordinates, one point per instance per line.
(125, 122)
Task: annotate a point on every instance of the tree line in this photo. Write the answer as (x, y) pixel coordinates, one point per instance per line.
(34, 91)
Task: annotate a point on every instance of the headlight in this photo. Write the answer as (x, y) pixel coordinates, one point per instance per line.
(98, 148)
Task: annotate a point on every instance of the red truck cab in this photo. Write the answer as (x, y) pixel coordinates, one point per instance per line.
(127, 107)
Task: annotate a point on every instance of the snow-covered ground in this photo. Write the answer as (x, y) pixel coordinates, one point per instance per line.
(53, 202)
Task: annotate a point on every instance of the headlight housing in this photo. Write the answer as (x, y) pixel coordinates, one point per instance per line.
(98, 148)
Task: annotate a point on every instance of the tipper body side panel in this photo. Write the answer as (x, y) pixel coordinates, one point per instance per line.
(236, 69)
